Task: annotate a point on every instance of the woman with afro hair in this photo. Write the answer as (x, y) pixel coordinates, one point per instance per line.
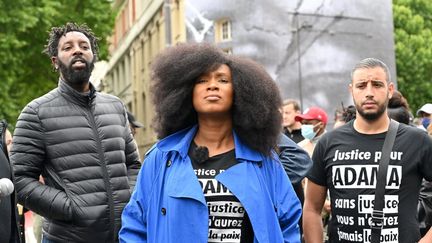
(213, 176)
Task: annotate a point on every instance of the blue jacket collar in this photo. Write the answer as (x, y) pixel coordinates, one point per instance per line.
(180, 142)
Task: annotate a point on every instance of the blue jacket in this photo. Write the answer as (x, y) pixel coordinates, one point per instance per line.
(168, 205)
(295, 160)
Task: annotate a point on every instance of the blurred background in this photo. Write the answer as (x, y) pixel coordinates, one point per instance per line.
(309, 47)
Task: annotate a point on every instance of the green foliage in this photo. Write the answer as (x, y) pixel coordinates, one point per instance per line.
(413, 39)
(25, 72)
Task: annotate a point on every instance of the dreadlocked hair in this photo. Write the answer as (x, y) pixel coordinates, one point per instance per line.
(51, 48)
(255, 111)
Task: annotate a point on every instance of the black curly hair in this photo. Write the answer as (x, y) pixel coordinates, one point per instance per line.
(349, 113)
(51, 48)
(255, 111)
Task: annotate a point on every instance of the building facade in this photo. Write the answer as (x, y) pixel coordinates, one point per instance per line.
(140, 33)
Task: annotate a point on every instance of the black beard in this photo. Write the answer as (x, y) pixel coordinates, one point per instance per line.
(372, 116)
(78, 76)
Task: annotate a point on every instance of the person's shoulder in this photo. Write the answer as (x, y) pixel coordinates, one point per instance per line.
(408, 130)
(167, 143)
(337, 132)
(104, 97)
(271, 162)
(112, 101)
(155, 158)
(45, 99)
(152, 152)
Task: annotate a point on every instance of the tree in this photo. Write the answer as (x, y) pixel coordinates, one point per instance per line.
(413, 39)
(25, 72)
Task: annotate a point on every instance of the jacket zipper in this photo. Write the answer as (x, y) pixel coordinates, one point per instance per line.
(104, 171)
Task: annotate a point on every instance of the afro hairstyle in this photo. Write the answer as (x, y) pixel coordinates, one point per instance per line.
(255, 111)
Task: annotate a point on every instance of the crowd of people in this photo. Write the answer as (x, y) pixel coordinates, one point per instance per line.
(228, 166)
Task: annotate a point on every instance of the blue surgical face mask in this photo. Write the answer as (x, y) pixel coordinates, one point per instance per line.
(307, 131)
(425, 122)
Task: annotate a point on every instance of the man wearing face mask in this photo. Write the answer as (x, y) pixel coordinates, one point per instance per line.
(425, 113)
(314, 121)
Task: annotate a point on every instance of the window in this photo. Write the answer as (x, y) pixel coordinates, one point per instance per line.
(223, 30)
(226, 30)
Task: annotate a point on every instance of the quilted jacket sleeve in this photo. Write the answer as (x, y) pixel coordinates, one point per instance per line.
(27, 157)
(132, 158)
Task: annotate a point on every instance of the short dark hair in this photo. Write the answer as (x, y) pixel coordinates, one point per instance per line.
(51, 48)
(398, 108)
(372, 63)
(398, 100)
(255, 110)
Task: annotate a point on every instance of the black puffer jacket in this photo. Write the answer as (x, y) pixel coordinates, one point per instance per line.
(83, 147)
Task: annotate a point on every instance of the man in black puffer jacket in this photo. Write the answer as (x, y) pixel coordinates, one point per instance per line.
(80, 142)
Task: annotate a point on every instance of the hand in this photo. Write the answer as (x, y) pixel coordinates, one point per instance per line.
(427, 238)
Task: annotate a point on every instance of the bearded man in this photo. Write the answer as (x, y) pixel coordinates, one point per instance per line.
(79, 141)
(346, 162)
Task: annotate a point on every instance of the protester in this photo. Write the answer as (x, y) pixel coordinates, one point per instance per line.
(429, 129)
(338, 117)
(314, 122)
(398, 108)
(9, 229)
(292, 128)
(295, 160)
(133, 123)
(424, 206)
(346, 161)
(296, 163)
(80, 141)
(7, 138)
(425, 113)
(213, 176)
